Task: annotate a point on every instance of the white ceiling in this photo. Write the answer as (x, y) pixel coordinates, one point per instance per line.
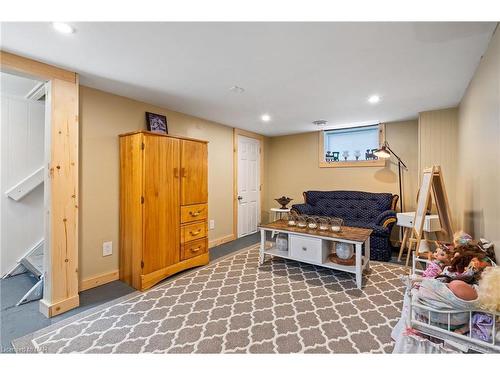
(296, 72)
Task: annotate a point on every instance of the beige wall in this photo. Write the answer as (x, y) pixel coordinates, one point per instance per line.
(292, 167)
(437, 139)
(102, 117)
(466, 142)
(478, 159)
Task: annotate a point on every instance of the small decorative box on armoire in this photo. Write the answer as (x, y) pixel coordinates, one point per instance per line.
(163, 206)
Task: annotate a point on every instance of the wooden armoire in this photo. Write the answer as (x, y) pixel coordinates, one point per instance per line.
(163, 206)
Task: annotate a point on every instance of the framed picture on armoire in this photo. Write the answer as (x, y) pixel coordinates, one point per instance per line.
(156, 123)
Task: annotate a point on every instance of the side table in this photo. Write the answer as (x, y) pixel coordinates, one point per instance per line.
(406, 219)
(277, 215)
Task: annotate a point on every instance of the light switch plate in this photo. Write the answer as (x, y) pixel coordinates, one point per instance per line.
(107, 248)
(212, 224)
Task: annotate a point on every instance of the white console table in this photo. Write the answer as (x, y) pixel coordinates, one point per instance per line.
(311, 246)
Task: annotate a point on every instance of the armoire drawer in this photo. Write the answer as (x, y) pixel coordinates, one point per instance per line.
(193, 212)
(195, 231)
(194, 248)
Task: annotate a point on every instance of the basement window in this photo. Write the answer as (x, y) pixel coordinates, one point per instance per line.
(351, 147)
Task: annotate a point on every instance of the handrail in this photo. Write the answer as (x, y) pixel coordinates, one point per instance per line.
(27, 185)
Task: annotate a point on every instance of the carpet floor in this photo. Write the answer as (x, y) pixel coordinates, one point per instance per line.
(235, 306)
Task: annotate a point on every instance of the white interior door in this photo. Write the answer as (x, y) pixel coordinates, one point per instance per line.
(248, 185)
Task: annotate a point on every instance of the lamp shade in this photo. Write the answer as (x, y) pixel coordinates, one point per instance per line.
(382, 152)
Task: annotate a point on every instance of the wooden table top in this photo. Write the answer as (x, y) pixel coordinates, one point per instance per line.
(347, 233)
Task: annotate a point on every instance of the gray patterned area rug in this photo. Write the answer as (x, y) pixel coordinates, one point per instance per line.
(235, 306)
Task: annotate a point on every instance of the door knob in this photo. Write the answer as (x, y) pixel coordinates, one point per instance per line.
(240, 197)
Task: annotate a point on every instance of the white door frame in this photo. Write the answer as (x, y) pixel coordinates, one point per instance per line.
(260, 138)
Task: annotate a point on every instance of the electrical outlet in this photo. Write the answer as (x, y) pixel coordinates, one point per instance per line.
(212, 224)
(107, 248)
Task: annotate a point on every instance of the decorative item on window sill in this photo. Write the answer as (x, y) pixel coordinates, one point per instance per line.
(283, 201)
(332, 156)
(369, 155)
(357, 154)
(345, 155)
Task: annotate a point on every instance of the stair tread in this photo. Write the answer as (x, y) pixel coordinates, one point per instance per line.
(34, 263)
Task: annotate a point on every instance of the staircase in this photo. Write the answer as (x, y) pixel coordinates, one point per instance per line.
(32, 261)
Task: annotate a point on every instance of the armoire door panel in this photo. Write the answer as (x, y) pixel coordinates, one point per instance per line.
(194, 171)
(161, 203)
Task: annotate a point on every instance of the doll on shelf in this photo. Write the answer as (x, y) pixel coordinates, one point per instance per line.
(440, 259)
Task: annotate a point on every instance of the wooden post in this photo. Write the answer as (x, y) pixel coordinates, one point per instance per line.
(61, 181)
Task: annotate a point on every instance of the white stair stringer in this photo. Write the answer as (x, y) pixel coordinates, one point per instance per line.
(31, 262)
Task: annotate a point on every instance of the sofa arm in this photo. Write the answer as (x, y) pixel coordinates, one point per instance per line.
(303, 208)
(386, 219)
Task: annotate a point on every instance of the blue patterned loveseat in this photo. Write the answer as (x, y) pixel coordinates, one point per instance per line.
(358, 209)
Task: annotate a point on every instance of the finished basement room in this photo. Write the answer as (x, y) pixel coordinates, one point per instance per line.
(250, 187)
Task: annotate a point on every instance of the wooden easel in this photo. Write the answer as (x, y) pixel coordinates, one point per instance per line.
(432, 178)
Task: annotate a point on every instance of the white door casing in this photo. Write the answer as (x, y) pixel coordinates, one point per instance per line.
(248, 185)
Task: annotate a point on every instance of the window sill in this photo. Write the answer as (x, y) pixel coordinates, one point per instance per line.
(352, 163)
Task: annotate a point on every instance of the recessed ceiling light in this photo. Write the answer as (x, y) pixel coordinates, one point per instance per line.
(63, 28)
(320, 122)
(237, 89)
(265, 117)
(374, 99)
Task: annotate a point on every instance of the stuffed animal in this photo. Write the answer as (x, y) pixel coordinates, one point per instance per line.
(489, 289)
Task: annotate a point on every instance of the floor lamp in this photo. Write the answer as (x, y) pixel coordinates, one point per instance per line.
(385, 152)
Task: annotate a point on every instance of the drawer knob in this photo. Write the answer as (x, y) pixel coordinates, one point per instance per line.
(194, 213)
(195, 250)
(195, 233)
(304, 248)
